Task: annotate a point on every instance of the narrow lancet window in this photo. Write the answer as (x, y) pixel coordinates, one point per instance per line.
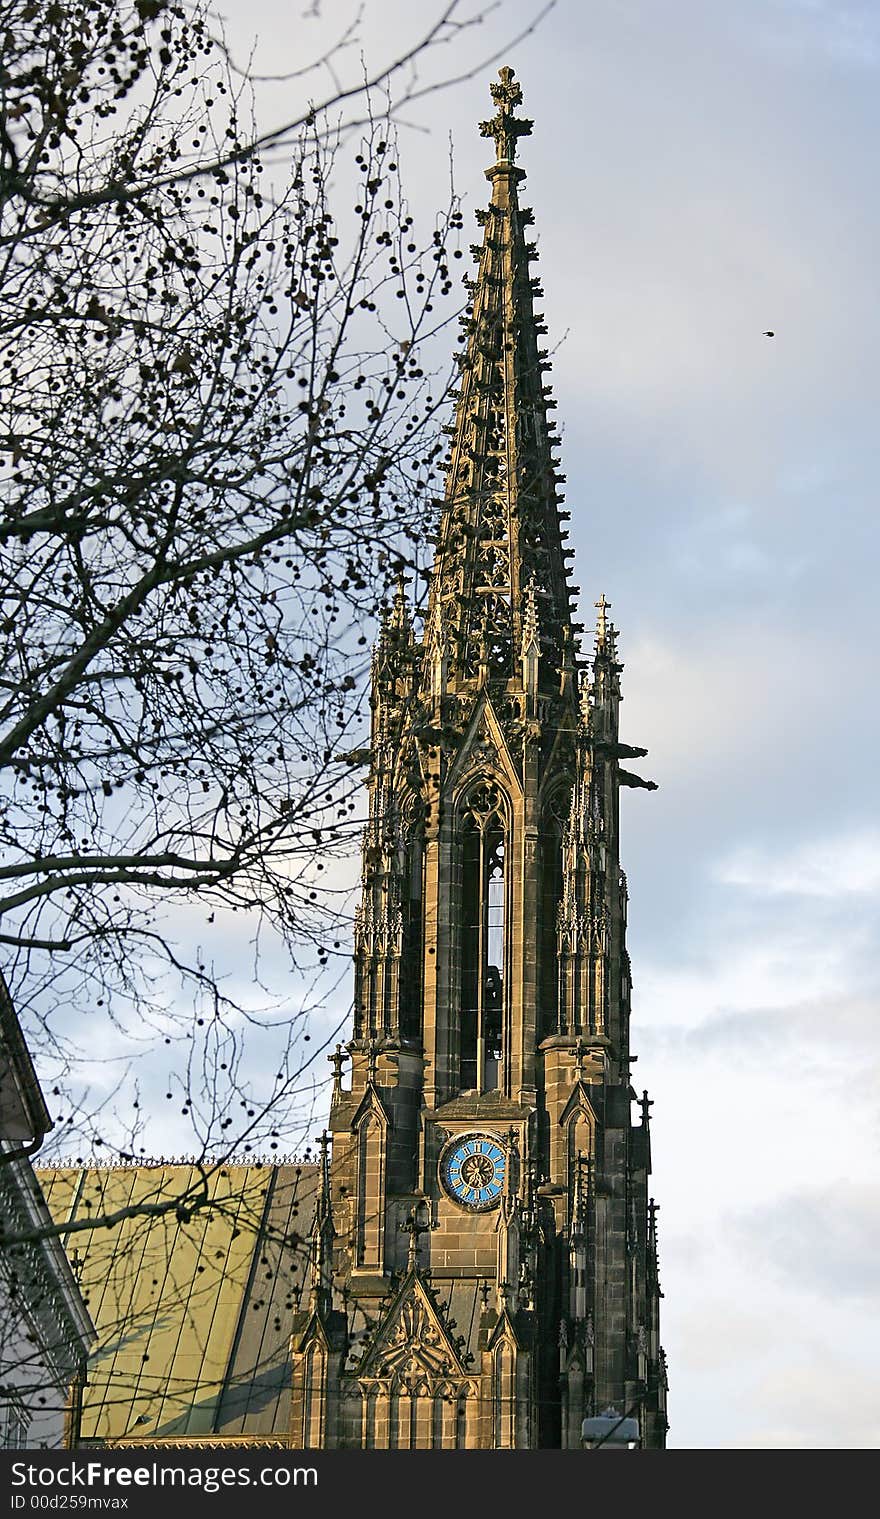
(551, 897)
(411, 964)
(470, 953)
(493, 999)
(483, 942)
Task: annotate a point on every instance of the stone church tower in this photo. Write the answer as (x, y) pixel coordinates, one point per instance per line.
(483, 1256)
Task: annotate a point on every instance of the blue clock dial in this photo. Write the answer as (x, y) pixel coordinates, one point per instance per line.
(472, 1168)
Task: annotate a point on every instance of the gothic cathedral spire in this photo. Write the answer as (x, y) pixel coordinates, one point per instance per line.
(500, 551)
(486, 1170)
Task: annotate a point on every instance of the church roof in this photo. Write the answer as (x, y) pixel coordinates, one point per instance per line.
(194, 1314)
(192, 1305)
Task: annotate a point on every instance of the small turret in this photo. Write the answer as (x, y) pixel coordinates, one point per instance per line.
(321, 1252)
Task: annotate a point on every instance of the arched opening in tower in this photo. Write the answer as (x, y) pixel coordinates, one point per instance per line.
(483, 952)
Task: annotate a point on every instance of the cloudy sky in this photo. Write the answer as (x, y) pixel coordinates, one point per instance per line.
(700, 173)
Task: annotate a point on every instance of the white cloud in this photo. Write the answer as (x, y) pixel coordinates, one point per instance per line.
(848, 865)
(742, 973)
(695, 699)
(823, 1239)
(768, 1369)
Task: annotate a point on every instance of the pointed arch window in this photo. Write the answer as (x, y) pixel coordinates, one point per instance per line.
(504, 1398)
(313, 1398)
(483, 939)
(411, 969)
(369, 1218)
(553, 819)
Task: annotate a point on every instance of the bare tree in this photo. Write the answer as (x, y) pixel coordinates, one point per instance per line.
(219, 445)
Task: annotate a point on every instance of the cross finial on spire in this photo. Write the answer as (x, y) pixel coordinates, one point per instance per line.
(646, 1104)
(606, 632)
(504, 126)
(414, 1229)
(337, 1060)
(601, 621)
(580, 1056)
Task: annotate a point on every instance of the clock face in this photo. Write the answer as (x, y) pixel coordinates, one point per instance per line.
(472, 1170)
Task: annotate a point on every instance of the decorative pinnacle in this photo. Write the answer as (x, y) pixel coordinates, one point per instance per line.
(324, 1143)
(585, 709)
(399, 612)
(337, 1060)
(530, 617)
(504, 126)
(606, 632)
(601, 621)
(414, 1229)
(394, 624)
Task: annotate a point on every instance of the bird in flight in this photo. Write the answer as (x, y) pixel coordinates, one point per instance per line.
(768, 334)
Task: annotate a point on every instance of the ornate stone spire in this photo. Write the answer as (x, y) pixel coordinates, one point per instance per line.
(500, 530)
(321, 1253)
